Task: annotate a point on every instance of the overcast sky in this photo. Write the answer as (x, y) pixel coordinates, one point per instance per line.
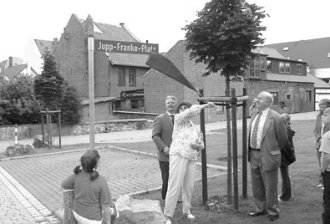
(158, 21)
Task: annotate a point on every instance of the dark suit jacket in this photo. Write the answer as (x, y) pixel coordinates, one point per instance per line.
(162, 135)
(274, 137)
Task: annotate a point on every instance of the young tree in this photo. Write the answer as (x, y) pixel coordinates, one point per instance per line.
(48, 86)
(223, 36)
(70, 106)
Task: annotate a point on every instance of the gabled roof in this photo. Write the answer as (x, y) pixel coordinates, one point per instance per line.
(11, 72)
(44, 45)
(270, 52)
(318, 83)
(288, 78)
(112, 32)
(316, 52)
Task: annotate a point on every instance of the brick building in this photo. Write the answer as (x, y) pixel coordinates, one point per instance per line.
(269, 71)
(286, 79)
(118, 76)
(316, 52)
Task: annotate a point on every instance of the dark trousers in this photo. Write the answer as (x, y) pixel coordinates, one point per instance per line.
(164, 168)
(286, 183)
(326, 198)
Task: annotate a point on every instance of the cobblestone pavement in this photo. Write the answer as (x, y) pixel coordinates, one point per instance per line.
(125, 172)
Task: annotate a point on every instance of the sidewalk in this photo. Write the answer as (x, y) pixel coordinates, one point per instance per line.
(132, 136)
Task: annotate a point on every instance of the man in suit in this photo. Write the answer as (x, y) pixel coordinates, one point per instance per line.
(162, 136)
(267, 135)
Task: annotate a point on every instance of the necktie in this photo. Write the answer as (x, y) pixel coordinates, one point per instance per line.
(253, 142)
(172, 118)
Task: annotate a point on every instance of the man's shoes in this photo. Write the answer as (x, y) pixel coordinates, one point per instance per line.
(190, 216)
(255, 213)
(179, 201)
(273, 217)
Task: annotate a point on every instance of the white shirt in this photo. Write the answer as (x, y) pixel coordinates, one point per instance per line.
(260, 126)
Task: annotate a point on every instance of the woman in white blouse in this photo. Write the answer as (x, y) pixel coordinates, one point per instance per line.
(187, 142)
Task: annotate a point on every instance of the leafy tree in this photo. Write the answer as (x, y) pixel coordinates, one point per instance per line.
(54, 93)
(48, 87)
(223, 36)
(18, 104)
(70, 106)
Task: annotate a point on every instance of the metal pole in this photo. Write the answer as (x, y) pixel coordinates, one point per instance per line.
(91, 91)
(42, 128)
(204, 161)
(59, 129)
(229, 182)
(234, 134)
(244, 146)
(48, 132)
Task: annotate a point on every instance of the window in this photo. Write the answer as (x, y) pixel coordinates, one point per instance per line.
(137, 104)
(275, 96)
(299, 69)
(287, 67)
(269, 65)
(121, 77)
(254, 67)
(288, 97)
(281, 65)
(132, 77)
(308, 95)
(284, 67)
(117, 105)
(263, 64)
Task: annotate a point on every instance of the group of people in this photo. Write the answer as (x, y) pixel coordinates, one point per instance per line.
(179, 143)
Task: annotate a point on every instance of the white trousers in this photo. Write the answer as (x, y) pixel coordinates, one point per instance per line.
(83, 220)
(182, 176)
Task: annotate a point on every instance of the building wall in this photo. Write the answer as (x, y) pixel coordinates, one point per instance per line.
(71, 56)
(297, 92)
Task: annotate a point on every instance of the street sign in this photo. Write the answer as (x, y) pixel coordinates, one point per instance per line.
(111, 46)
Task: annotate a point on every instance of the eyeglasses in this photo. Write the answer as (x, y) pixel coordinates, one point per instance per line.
(183, 107)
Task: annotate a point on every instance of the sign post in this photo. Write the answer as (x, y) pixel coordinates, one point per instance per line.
(91, 91)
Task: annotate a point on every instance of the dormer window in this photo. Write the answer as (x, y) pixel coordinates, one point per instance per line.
(285, 48)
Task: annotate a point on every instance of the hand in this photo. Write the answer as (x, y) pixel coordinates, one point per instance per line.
(210, 104)
(197, 146)
(166, 150)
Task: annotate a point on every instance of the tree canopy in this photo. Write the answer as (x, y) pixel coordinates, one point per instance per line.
(48, 87)
(224, 34)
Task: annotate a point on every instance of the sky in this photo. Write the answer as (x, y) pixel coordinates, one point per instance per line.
(158, 21)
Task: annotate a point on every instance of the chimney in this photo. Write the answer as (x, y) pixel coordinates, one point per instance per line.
(10, 61)
(122, 24)
(89, 26)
